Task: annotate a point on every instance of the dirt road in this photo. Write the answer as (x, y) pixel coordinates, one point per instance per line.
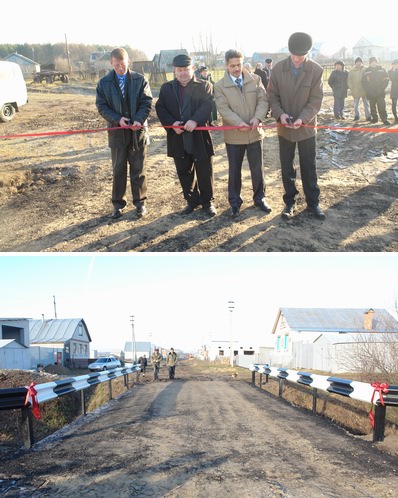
(55, 190)
(201, 438)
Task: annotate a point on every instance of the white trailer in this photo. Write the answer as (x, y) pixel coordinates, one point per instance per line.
(13, 93)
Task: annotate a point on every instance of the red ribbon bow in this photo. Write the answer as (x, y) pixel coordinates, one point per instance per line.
(378, 388)
(32, 393)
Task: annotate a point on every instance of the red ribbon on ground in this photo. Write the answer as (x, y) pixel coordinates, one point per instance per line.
(378, 388)
(32, 393)
(199, 128)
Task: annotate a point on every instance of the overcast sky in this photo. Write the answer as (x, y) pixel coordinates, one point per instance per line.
(172, 24)
(181, 300)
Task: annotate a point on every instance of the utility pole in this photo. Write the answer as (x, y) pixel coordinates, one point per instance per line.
(133, 351)
(231, 307)
(67, 54)
(55, 308)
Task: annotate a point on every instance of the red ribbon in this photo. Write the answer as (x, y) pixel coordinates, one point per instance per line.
(198, 128)
(378, 388)
(32, 393)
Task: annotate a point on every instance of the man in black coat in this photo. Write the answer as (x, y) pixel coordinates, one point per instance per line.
(124, 100)
(186, 103)
(375, 81)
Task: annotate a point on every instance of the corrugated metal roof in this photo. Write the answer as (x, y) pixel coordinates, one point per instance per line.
(337, 319)
(54, 330)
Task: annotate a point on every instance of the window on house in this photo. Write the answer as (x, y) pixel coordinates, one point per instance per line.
(80, 329)
(286, 342)
(278, 343)
(74, 348)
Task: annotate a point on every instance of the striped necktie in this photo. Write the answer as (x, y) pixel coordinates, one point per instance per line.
(121, 84)
(238, 82)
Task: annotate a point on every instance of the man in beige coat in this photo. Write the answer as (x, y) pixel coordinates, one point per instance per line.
(295, 94)
(242, 102)
(354, 82)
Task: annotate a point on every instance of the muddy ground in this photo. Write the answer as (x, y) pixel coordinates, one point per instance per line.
(55, 190)
(200, 436)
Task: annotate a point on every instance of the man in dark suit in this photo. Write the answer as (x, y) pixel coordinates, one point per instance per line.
(124, 100)
(186, 103)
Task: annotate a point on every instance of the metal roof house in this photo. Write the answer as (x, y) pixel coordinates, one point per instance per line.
(28, 67)
(313, 338)
(371, 47)
(64, 342)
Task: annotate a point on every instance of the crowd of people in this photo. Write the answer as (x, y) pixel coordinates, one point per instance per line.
(290, 91)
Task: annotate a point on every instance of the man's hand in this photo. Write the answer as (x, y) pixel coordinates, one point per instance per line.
(254, 122)
(244, 127)
(179, 131)
(287, 121)
(190, 125)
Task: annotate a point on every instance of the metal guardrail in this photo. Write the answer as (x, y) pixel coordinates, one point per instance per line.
(380, 396)
(22, 397)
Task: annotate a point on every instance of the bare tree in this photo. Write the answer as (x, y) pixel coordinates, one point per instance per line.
(373, 353)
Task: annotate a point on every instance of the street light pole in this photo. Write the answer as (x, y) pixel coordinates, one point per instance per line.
(231, 306)
(133, 352)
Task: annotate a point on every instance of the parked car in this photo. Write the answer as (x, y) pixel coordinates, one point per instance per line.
(105, 363)
(13, 92)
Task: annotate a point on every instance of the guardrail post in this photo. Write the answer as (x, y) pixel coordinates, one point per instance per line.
(314, 399)
(83, 398)
(27, 427)
(380, 422)
(254, 377)
(261, 380)
(110, 388)
(281, 387)
(126, 381)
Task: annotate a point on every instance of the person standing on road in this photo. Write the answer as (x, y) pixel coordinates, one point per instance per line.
(242, 103)
(156, 359)
(354, 82)
(171, 362)
(187, 102)
(393, 75)
(375, 81)
(295, 94)
(143, 361)
(338, 83)
(124, 100)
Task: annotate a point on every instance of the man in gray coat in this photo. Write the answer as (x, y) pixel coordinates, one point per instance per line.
(124, 100)
(295, 94)
(242, 103)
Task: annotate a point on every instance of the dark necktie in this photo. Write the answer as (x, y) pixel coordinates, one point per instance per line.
(121, 84)
(238, 82)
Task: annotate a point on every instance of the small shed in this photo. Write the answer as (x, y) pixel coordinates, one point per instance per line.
(28, 67)
(14, 355)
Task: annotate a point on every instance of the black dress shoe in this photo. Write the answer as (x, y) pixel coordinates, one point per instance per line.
(116, 214)
(264, 207)
(288, 212)
(234, 211)
(188, 209)
(141, 211)
(210, 210)
(317, 212)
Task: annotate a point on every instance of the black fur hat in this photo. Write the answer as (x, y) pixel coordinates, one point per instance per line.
(300, 43)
